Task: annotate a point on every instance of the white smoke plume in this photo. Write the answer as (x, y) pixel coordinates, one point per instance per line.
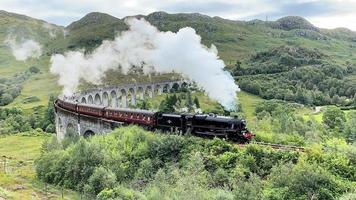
(24, 50)
(51, 29)
(143, 44)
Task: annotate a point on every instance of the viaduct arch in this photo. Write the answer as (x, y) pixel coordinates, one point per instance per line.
(68, 122)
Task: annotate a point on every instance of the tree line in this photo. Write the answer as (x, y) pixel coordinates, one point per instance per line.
(298, 74)
(10, 88)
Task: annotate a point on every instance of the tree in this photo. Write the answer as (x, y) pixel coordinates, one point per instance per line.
(49, 115)
(350, 128)
(6, 99)
(34, 69)
(168, 104)
(334, 117)
(101, 179)
(302, 181)
(237, 69)
(189, 101)
(250, 189)
(143, 104)
(196, 102)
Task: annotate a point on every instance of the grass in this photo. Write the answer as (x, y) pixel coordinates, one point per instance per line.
(39, 85)
(19, 181)
(248, 103)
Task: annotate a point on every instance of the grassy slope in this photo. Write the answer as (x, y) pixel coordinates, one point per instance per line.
(41, 85)
(22, 27)
(235, 40)
(25, 149)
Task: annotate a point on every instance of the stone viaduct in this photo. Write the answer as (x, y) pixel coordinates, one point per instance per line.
(68, 122)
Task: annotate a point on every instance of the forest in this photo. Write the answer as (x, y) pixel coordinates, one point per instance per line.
(299, 75)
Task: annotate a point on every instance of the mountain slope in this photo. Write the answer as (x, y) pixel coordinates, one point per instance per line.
(240, 43)
(18, 29)
(90, 31)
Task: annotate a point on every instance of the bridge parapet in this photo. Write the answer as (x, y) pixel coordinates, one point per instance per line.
(114, 96)
(124, 95)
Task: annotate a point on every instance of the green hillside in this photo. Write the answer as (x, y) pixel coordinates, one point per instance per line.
(267, 53)
(273, 54)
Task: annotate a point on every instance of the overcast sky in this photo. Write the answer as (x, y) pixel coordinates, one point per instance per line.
(322, 13)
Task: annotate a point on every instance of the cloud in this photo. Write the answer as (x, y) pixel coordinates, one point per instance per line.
(143, 45)
(25, 49)
(64, 12)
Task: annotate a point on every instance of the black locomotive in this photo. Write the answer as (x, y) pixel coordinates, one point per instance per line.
(196, 124)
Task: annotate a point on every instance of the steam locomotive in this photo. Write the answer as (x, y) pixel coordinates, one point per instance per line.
(196, 124)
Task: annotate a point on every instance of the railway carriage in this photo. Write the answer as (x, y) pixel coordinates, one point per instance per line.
(91, 110)
(141, 117)
(199, 125)
(67, 105)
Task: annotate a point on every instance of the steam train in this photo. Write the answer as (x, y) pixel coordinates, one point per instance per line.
(211, 125)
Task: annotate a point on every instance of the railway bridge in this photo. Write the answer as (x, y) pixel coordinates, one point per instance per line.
(68, 122)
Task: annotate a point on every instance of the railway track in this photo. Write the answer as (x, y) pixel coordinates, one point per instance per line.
(280, 146)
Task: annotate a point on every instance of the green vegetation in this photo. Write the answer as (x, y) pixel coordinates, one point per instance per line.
(299, 75)
(131, 163)
(19, 180)
(288, 59)
(286, 67)
(13, 120)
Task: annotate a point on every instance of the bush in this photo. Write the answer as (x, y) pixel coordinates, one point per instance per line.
(50, 128)
(132, 163)
(6, 99)
(303, 181)
(121, 193)
(34, 69)
(31, 99)
(101, 179)
(334, 117)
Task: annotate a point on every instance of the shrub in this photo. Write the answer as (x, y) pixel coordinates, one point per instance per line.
(302, 181)
(334, 117)
(34, 69)
(101, 179)
(6, 99)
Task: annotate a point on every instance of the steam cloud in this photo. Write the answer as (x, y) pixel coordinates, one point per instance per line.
(143, 45)
(26, 49)
(54, 31)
